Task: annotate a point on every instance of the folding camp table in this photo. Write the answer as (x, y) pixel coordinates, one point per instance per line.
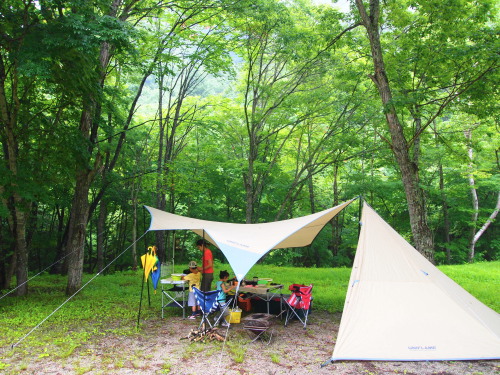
(265, 292)
(173, 294)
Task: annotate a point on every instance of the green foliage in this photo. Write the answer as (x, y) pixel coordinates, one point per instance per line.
(328, 282)
(250, 94)
(479, 279)
(92, 312)
(237, 350)
(276, 357)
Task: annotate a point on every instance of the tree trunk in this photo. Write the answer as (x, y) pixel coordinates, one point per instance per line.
(80, 206)
(335, 220)
(3, 263)
(160, 177)
(485, 226)
(123, 235)
(473, 192)
(249, 192)
(21, 248)
(310, 185)
(10, 269)
(77, 230)
(85, 173)
(58, 267)
(17, 205)
(446, 218)
(10, 264)
(444, 203)
(134, 234)
(101, 230)
(416, 140)
(422, 234)
(474, 234)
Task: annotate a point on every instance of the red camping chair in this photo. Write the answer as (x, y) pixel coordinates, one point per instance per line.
(299, 303)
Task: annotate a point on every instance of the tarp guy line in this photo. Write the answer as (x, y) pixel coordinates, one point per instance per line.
(74, 294)
(234, 302)
(38, 274)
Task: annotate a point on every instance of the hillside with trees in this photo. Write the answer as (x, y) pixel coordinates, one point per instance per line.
(246, 112)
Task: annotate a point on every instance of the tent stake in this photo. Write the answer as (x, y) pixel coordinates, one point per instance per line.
(327, 363)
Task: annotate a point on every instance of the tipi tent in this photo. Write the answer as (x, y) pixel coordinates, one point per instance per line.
(244, 244)
(400, 307)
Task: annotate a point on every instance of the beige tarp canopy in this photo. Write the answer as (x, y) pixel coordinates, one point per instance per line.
(400, 307)
(244, 244)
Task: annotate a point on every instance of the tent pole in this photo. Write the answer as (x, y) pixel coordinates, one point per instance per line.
(202, 277)
(145, 246)
(359, 213)
(149, 296)
(140, 302)
(203, 255)
(173, 251)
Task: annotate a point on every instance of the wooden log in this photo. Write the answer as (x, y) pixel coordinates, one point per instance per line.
(201, 335)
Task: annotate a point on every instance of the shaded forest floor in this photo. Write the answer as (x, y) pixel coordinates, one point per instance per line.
(159, 348)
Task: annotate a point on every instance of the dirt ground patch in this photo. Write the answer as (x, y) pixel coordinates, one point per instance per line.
(160, 349)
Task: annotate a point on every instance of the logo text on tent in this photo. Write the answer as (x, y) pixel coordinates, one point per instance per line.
(422, 347)
(238, 243)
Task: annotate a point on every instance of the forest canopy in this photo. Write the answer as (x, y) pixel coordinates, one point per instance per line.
(246, 112)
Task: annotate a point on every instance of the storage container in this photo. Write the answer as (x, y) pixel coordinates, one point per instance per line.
(234, 316)
(244, 304)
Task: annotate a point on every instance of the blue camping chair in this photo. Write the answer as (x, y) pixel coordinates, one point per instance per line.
(208, 302)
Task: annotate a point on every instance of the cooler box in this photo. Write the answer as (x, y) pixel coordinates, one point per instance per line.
(234, 316)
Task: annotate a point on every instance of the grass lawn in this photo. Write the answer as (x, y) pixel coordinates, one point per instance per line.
(110, 303)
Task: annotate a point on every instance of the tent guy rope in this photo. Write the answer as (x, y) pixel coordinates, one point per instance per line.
(74, 294)
(42, 271)
(38, 274)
